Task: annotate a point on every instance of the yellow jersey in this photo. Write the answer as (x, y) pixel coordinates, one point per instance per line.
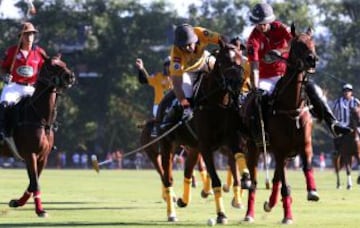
(246, 66)
(182, 61)
(161, 84)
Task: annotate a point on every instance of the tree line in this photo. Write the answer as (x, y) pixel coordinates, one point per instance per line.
(100, 41)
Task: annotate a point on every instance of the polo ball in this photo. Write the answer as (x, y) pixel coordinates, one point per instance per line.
(211, 222)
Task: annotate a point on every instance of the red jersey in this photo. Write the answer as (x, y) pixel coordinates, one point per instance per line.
(25, 70)
(260, 43)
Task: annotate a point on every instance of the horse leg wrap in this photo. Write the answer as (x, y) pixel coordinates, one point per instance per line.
(251, 204)
(229, 178)
(241, 162)
(24, 198)
(207, 184)
(237, 194)
(187, 191)
(169, 194)
(274, 193)
(310, 180)
(37, 200)
(287, 207)
(218, 200)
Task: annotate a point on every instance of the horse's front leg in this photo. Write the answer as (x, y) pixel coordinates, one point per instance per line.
(285, 194)
(33, 188)
(191, 160)
(252, 160)
(207, 155)
(167, 150)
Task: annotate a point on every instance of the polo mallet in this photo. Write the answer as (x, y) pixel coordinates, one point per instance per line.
(262, 125)
(96, 165)
(30, 11)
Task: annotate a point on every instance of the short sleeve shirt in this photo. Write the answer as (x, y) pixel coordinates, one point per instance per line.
(188, 62)
(161, 85)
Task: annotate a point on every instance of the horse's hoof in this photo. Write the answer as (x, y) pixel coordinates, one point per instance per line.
(42, 214)
(349, 187)
(313, 196)
(338, 186)
(221, 218)
(287, 221)
(181, 203)
(358, 180)
(236, 204)
(204, 194)
(249, 219)
(172, 218)
(267, 207)
(14, 203)
(226, 188)
(267, 185)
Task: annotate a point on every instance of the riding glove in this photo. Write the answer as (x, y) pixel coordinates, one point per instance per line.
(7, 78)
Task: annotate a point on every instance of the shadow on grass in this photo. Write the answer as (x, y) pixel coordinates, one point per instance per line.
(100, 224)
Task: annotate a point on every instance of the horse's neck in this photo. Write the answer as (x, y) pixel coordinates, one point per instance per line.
(44, 102)
(289, 91)
(212, 88)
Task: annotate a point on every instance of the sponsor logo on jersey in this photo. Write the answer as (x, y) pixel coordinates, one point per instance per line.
(177, 66)
(25, 71)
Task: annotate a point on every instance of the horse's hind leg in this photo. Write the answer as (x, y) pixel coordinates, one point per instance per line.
(236, 201)
(348, 172)
(337, 167)
(309, 176)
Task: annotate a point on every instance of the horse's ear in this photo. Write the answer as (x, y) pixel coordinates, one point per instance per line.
(223, 41)
(310, 31)
(293, 32)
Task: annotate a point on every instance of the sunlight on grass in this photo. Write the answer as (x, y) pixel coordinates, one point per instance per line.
(131, 198)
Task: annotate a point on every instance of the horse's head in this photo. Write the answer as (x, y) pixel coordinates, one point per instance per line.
(228, 69)
(302, 54)
(355, 117)
(55, 73)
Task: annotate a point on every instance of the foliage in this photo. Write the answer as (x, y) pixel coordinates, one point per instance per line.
(107, 36)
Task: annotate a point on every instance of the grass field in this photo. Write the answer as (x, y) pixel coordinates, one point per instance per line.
(131, 198)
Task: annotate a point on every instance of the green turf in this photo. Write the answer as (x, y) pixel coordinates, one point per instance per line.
(130, 198)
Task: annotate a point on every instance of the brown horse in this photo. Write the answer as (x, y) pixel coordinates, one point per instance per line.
(215, 108)
(347, 147)
(289, 127)
(32, 127)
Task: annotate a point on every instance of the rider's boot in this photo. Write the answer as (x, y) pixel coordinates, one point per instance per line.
(3, 106)
(323, 110)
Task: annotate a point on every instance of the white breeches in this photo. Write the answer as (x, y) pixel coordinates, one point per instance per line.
(12, 92)
(268, 84)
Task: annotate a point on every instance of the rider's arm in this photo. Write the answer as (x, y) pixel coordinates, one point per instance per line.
(142, 76)
(179, 93)
(254, 74)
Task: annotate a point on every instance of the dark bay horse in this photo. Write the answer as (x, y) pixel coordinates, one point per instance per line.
(216, 116)
(31, 126)
(289, 125)
(348, 147)
(224, 78)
